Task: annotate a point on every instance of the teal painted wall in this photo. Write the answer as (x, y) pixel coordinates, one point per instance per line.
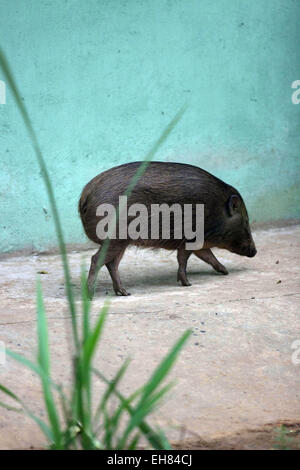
(101, 79)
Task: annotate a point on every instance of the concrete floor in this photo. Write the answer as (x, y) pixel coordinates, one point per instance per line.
(235, 374)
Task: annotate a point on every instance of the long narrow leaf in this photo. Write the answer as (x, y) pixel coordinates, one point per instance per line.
(164, 367)
(43, 426)
(43, 376)
(26, 362)
(110, 390)
(132, 445)
(42, 331)
(153, 438)
(44, 362)
(86, 305)
(141, 411)
(83, 383)
(34, 367)
(139, 173)
(10, 408)
(92, 340)
(157, 144)
(144, 406)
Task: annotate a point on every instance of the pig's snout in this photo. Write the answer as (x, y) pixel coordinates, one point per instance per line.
(250, 248)
(251, 251)
(246, 249)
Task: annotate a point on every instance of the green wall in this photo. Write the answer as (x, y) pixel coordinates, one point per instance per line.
(101, 79)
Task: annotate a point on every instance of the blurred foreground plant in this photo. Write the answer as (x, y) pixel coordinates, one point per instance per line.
(72, 423)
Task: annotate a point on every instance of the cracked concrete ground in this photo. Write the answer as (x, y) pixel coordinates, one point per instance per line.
(236, 373)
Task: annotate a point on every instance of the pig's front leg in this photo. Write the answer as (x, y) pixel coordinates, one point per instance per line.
(182, 257)
(208, 257)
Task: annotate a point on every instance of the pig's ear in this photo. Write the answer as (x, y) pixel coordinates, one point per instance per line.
(234, 204)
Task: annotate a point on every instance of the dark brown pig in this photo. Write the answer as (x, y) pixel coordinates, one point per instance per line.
(226, 223)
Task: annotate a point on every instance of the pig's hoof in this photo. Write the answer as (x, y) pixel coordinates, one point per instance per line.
(223, 270)
(181, 277)
(185, 282)
(121, 291)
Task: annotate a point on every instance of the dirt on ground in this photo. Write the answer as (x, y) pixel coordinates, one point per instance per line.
(276, 436)
(238, 377)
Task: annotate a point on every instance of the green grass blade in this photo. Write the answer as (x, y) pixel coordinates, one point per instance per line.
(133, 444)
(109, 421)
(44, 363)
(93, 338)
(86, 305)
(45, 175)
(10, 408)
(9, 393)
(65, 405)
(26, 362)
(82, 394)
(139, 173)
(34, 367)
(108, 434)
(145, 404)
(153, 438)
(115, 419)
(164, 441)
(110, 390)
(43, 426)
(42, 331)
(39, 371)
(156, 397)
(164, 367)
(159, 142)
(141, 411)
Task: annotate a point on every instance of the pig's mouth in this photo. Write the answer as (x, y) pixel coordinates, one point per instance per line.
(252, 252)
(249, 251)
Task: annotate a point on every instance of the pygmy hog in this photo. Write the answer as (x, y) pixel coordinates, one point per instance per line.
(226, 223)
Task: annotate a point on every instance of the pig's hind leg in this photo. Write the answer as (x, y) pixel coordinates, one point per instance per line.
(182, 257)
(113, 269)
(112, 259)
(208, 257)
(93, 272)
